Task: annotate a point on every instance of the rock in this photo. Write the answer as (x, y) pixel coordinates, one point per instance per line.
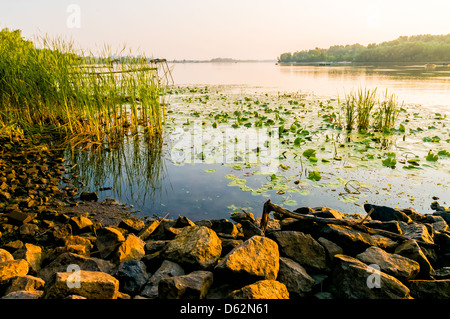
(182, 222)
(23, 294)
(438, 223)
(385, 243)
(326, 212)
(331, 248)
(13, 268)
(167, 269)
(195, 246)
(352, 241)
(149, 229)
(385, 213)
(64, 260)
(192, 286)
(18, 218)
(323, 295)
(229, 244)
(418, 232)
(395, 265)
(250, 229)
(443, 240)
(413, 214)
(108, 239)
(263, 289)
(410, 249)
(81, 224)
(302, 248)
(89, 284)
(132, 276)
(295, 278)
(256, 257)
(5, 255)
(353, 279)
(89, 196)
(32, 254)
(24, 283)
(224, 226)
(444, 214)
(305, 226)
(133, 225)
(152, 246)
(240, 216)
(28, 230)
(392, 226)
(443, 273)
(78, 245)
(131, 249)
(61, 233)
(430, 289)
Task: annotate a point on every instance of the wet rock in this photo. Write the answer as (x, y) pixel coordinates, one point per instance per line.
(353, 279)
(108, 239)
(302, 248)
(24, 283)
(385, 213)
(13, 268)
(132, 276)
(410, 249)
(430, 289)
(395, 265)
(352, 241)
(295, 278)
(32, 254)
(131, 249)
(91, 285)
(89, 196)
(23, 294)
(256, 257)
(195, 246)
(263, 289)
(194, 285)
(167, 269)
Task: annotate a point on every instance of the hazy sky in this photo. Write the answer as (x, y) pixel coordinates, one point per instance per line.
(241, 29)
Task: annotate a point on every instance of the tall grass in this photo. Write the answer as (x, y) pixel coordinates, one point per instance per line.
(61, 88)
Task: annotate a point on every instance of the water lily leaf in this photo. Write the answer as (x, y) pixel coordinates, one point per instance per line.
(290, 202)
(212, 170)
(309, 153)
(349, 199)
(431, 157)
(390, 162)
(444, 153)
(314, 176)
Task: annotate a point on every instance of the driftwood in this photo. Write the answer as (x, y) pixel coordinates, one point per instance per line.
(358, 225)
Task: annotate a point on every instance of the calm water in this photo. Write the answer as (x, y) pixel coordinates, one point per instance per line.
(192, 191)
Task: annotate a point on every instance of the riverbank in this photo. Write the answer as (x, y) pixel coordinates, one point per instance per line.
(57, 243)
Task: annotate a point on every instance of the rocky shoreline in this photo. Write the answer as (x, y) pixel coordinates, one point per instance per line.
(56, 243)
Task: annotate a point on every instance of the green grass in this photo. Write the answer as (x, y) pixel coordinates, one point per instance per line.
(54, 86)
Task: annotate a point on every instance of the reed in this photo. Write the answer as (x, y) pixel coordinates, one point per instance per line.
(387, 113)
(365, 103)
(53, 86)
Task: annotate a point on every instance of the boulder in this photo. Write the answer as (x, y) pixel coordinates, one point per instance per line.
(32, 254)
(410, 249)
(302, 248)
(191, 286)
(352, 241)
(326, 212)
(13, 268)
(24, 283)
(196, 246)
(182, 222)
(88, 284)
(81, 224)
(77, 244)
(5, 255)
(430, 289)
(250, 229)
(24, 294)
(444, 214)
(263, 289)
(256, 257)
(131, 249)
(353, 279)
(133, 225)
(438, 223)
(224, 226)
(385, 213)
(167, 269)
(108, 239)
(395, 265)
(64, 260)
(392, 226)
(331, 248)
(89, 196)
(295, 278)
(419, 232)
(132, 276)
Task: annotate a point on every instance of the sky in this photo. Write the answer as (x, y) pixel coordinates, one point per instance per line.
(239, 29)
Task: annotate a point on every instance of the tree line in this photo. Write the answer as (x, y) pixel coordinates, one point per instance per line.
(418, 48)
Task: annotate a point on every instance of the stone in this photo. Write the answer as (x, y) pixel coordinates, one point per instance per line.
(263, 289)
(385, 243)
(132, 276)
(152, 246)
(443, 240)
(131, 249)
(257, 257)
(410, 249)
(89, 196)
(18, 218)
(88, 284)
(77, 244)
(302, 248)
(229, 244)
(413, 214)
(182, 222)
(418, 232)
(13, 268)
(444, 214)
(81, 224)
(353, 279)
(149, 229)
(108, 239)
(167, 269)
(240, 216)
(23, 294)
(5, 255)
(295, 278)
(438, 223)
(28, 230)
(442, 273)
(385, 213)
(32, 254)
(305, 226)
(326, 212)
(224, 226)
(331, 248)
(62, 232)
(196, 246)
(395, 265)
(352, 241)
(64, 260)
(430, 289)
(250, 229)
(194, 285)
(133, 225)
(392, 226)
(24, 283)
